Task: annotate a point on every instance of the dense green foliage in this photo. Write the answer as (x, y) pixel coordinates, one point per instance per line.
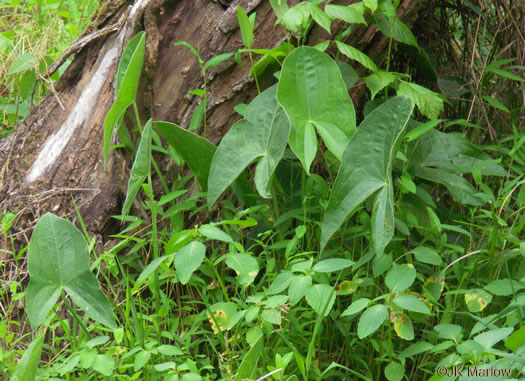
(322, 241)
(33, 34)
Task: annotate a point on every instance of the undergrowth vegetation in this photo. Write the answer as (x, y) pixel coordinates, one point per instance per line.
(318, 240)
(33, 34)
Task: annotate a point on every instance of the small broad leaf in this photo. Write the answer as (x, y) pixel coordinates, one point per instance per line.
(296, 19)
(141, 359)
(477, 300)
(213, 232)
(245, 266)
(141, 168)
(281, 282)
(198, 114)
(348, 14)
(261, 136)
(128, 82)
(58, 259)
(357, 55)
(394, 371)
(28, 364)
(217, 60)
(313, 94)
(246, 28)
(356, 307)
(366, 169)
(493, 336)
(188, 259)
(379, 80)
(402, 325)
(298, 287)
(332, 264)
(411, 303)
(104, 364)
(319, 17)
(448, 331)
(223, 314)
(371, 320)
(196, 151)
(400, 277)
(394, 28)
(428, 102)
(439, 157)
(321, 298)
(503, 287)
(427, 255)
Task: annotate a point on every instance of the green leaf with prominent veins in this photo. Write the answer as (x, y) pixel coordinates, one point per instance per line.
(366, 168)
(261, 136)
(428, 102)
(379, 80)
(357, 55)
(58, 259)
(345, 13)
(313, 94)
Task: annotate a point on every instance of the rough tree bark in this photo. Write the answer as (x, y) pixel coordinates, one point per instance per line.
(56, 152)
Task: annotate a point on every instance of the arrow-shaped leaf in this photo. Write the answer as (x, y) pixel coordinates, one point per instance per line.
(261, 136)
(366, 168)
(58, 258)
(313, 94)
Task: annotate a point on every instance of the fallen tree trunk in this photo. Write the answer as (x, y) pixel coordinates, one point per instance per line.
(55, 154)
